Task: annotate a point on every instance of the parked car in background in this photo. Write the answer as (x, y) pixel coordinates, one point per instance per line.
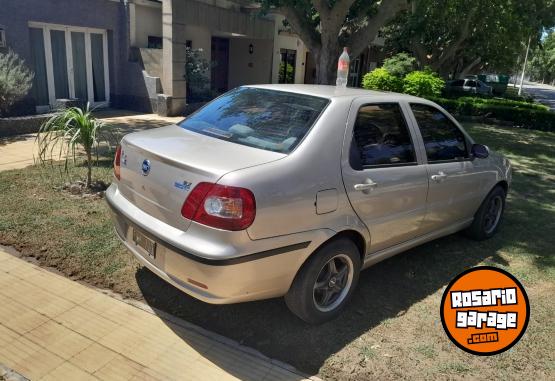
(292, 190)
(468, 85)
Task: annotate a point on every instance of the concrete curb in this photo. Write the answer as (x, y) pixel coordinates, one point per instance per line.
(206, 333)
(167, 317)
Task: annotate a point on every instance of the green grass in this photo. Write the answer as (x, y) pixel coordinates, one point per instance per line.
(530, 218)
(396, 302)
(72, 234)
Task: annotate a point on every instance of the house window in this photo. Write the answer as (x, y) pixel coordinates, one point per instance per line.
(154, 42)
(40, 82)
(287, 66)
(69, 62)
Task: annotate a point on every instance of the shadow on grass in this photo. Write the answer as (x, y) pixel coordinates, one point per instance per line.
(385, 291)
(390, 288)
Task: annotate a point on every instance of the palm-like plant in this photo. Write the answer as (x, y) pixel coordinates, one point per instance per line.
(69, 130)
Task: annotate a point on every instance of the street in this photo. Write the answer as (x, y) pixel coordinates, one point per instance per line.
(542, 93)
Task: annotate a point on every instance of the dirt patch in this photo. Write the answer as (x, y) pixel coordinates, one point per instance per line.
(79, 189)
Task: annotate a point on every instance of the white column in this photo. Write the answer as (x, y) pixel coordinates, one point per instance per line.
(173, 55)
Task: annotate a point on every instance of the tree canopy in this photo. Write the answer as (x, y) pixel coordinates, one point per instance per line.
(454, 37)
(542, 63)
(325, 26)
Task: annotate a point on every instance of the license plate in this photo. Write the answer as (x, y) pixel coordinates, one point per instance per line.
(145, 243)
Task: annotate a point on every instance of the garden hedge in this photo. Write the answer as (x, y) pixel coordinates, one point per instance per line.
(522, 114)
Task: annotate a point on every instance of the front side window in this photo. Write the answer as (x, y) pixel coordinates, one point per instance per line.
(266, 119)
(443, 140)
(381, 137)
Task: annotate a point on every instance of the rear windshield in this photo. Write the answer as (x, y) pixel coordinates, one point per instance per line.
(267, 119)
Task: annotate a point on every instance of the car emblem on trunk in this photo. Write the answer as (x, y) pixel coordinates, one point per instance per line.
(183, 185)
(145, 167)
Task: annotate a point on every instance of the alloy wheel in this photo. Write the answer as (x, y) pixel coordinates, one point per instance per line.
(493, 214)
(333, 283)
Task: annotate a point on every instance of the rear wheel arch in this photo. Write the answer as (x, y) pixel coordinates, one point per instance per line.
(352, 235)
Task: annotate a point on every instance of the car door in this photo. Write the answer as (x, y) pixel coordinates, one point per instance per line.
(385, 182)
(456, 184)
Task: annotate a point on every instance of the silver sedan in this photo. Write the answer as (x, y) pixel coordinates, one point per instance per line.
(292, 190)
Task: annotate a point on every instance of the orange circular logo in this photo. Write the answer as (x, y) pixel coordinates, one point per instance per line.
(485, 311)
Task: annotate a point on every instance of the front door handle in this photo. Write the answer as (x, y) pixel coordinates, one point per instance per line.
(367, 186)
(439, 177)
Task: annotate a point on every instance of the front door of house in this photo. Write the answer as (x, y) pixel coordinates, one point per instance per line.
(220, 64)
(69, 63)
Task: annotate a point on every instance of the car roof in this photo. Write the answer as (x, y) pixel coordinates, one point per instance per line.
(326, 91)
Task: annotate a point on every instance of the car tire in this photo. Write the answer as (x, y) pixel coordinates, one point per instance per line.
(309, 296)
(488, 217)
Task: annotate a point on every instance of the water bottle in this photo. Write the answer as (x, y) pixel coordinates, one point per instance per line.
(343, 69)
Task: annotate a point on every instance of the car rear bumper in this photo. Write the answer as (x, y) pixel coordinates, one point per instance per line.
(267, 271)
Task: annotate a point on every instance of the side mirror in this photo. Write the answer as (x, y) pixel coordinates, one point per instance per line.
(480, 151)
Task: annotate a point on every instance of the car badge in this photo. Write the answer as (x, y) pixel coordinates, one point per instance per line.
(145, 168)
(183, 185)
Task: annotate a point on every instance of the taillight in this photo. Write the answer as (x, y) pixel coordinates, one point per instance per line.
(220, 206)
(117, 161)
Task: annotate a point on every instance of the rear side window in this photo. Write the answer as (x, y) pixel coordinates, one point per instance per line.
(381, 137)
(442, 138)
(458, 83)
(267, 119)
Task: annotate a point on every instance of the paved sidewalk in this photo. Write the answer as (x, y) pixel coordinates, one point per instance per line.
(20, 151)
(52, 328)
(17, 152)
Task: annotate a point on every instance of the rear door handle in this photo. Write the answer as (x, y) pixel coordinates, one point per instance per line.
(368, 186)
(439, 177)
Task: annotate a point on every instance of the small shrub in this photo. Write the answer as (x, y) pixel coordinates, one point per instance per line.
(197, 70)
(400, 65)
(381, 79)
(423, 84)
(15, 80)
(70, 130)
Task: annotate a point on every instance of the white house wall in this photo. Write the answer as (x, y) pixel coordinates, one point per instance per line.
(190, 12)
(288, 41)
(148, 22)
(246, 68)
(201, 38)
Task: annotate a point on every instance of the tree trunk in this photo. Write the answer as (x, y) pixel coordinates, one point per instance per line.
(465, 71)
(326, 67)
(324, 43)
(326, 59)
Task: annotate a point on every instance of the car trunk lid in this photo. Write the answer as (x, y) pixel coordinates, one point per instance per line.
(160, 167)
